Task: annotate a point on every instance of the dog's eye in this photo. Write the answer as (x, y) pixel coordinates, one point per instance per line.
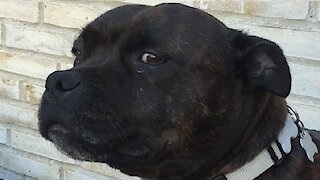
(149, 58)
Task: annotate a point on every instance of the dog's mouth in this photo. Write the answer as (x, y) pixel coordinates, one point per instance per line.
(68, 144)
(55, 129)
(117, 153)
(137, 152)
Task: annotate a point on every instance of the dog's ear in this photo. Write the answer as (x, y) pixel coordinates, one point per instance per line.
(261, 64)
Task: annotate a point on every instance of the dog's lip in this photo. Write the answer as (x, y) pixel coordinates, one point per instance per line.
(135, 152)
(124, 151)
(57, 128)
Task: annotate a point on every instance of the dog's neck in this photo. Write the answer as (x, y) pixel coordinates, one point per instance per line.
(261, 130)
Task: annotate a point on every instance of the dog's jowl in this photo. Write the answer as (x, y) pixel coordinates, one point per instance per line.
(170, 92)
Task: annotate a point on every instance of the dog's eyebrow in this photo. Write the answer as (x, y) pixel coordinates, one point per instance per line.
(90, 34)
(135, 41)
(78, 45)
(91, 38)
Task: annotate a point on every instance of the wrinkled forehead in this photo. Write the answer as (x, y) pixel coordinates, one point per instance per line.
(131, 15)
(111, 24)
(119, 19)
(169, 26)
(165, 17)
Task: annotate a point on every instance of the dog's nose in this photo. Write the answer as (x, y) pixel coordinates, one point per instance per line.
(62, 81)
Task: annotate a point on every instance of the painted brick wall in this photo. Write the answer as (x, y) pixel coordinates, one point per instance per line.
(36, 37)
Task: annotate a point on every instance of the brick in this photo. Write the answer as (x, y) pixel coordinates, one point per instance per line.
(32, 93)
(104, 169)
(18, 113)
(222, 5)
(91, 166)
(73, 175)
(9, 88)
(293, 42)
(313, 11)
(3, 135)
(318, 12)
(26, 65)
(40, 40)
(72, 15)
(36, 145)
(0, 33)
(280, 9)
(65, 66)
(305, 80)
(309, 115)
(7, 174)
(27, 165)
(20, 10)
(239, 20)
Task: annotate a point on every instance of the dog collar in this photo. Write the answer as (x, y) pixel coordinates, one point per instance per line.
(274, 154)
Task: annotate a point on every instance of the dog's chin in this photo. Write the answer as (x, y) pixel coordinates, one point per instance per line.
(118, 155)
(68, 144)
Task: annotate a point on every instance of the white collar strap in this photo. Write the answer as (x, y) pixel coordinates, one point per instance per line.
(270, 156)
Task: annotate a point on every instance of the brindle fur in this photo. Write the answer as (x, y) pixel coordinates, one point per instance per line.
(217, 101)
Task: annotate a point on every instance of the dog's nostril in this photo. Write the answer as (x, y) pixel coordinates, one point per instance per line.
(62, 81)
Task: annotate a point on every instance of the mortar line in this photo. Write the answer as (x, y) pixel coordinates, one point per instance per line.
(303, 61)
(3, 34)
(41, 55)
(304, 100)
(41, 12)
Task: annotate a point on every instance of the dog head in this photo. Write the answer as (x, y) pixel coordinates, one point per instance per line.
(159, 89)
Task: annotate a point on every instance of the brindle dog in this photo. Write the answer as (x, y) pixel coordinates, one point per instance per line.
(170, 92)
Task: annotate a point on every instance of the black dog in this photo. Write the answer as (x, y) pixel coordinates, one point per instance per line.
(169, 92)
